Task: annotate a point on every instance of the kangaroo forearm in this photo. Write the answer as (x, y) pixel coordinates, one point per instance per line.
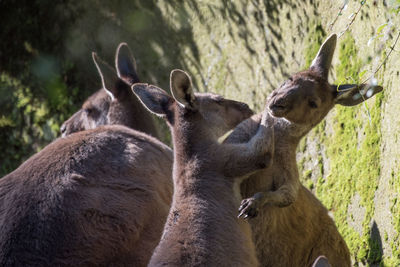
(244, 131)
(247, 158)
(246, 164)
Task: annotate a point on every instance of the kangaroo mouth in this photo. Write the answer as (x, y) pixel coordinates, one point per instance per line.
(278, 110)
(278, 107)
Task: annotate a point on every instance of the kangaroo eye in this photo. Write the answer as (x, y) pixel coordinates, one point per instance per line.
(312, 104)
(89, 111)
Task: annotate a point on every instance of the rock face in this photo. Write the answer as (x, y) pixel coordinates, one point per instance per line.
(245, 49)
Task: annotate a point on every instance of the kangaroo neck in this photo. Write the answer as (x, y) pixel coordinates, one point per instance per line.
(290, 132)
(191, 147)
(189, 137)
(132, 114)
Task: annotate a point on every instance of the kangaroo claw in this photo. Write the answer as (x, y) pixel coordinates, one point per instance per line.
(249, 208)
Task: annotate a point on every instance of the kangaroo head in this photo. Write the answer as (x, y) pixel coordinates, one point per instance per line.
(306, 97)
(212, 114)
(109, 104)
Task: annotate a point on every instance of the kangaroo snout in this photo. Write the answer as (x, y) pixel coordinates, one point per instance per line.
(278, 106)
(245, 110)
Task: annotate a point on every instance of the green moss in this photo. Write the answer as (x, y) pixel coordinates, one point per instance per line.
(395, 210)
(307, 174)
(303, 145)
(310, 184)
(300, 163)
(321, 165)
(313, 41)
(354, 160)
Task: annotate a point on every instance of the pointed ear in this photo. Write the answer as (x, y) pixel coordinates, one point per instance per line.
(321, 261)
(181, 89)
(322, 62)
(125, 64)
(353, 94)
(155, 99)
(109, 78)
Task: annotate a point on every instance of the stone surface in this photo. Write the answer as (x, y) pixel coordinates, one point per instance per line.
(245, 49)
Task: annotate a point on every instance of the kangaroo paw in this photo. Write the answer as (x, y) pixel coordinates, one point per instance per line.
(250, 206)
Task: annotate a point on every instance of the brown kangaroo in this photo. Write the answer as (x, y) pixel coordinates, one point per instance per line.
(114, 103)
(292, 227)
(202, 228)
(95, 198)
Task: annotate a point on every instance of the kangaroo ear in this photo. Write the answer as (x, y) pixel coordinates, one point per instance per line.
(322, 62)
(181, 89)
(109, 78)
(155, 99)
(321, 261)
(353, 94)
(125, 64)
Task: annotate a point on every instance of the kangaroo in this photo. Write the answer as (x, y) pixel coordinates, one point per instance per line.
(114, 103)
(202, 228)
(291, 220)
(95, 198)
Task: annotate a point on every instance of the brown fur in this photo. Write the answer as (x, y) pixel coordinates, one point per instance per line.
(94, 198)
(115, 103)
(202, 228)
(292, 227)
(87, 200)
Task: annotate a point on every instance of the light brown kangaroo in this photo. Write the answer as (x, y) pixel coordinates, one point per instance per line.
(114, 103)
(95, 198)
(292, 227)
(202, 228)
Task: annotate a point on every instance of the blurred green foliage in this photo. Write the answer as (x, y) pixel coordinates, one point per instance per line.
(37, 87)
(46, 70)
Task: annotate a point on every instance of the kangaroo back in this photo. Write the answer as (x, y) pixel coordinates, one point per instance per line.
(98, 197)
(202, 228)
